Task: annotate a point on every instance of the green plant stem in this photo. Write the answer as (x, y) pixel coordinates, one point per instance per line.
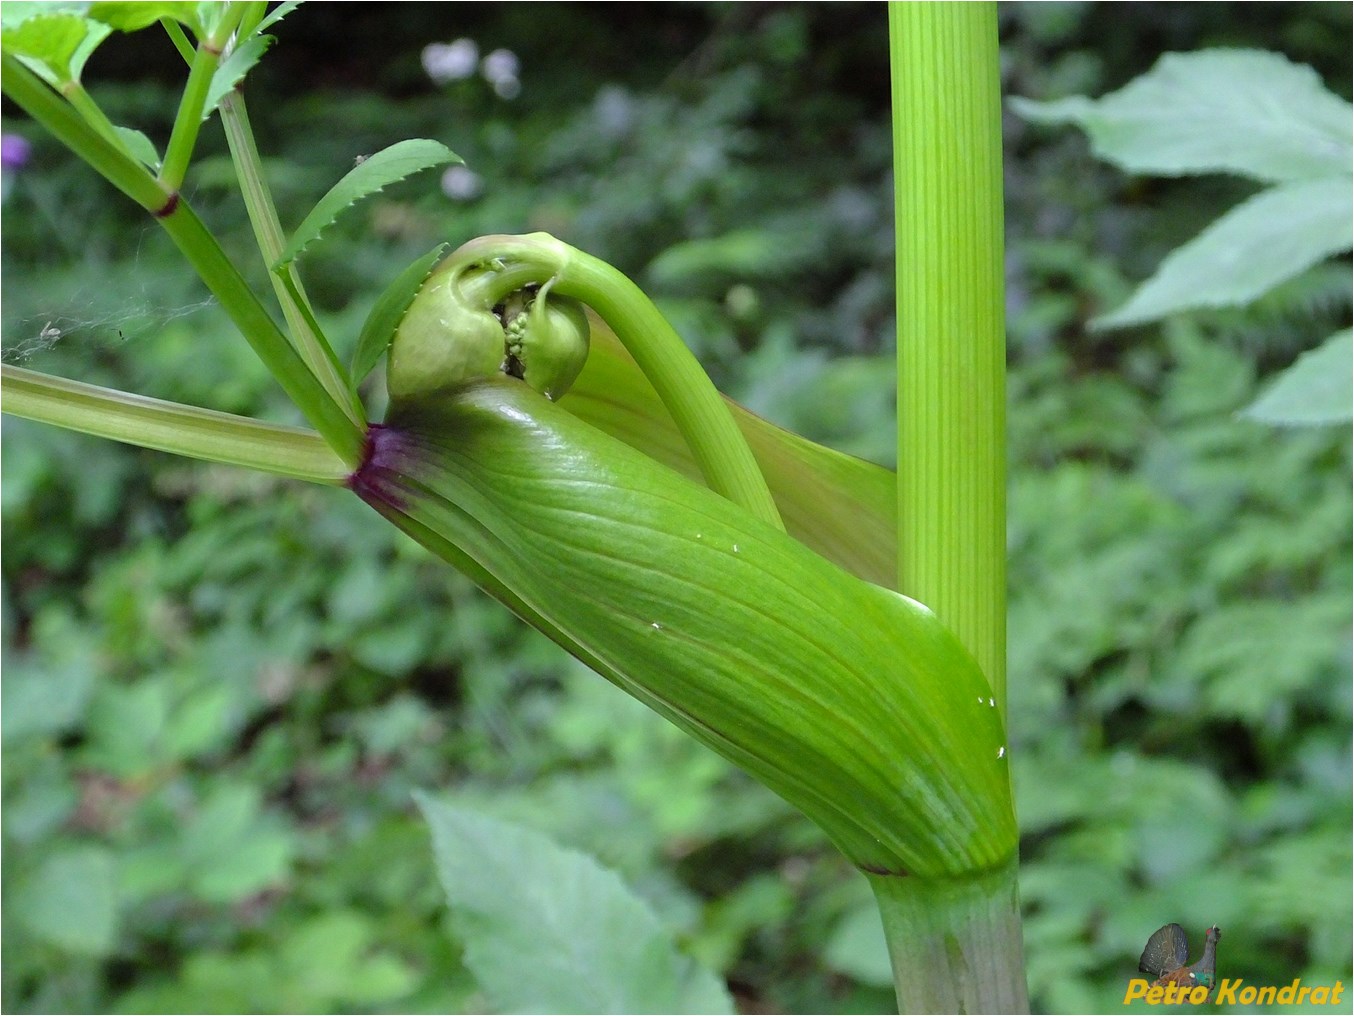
(199, 246)
(252, 14)
(180, 39)
(951, 330)
(956, 945)
(326, 415)
(170, 426)
(188, 121)
(949, 941)
(84, 104)
(694, 403)
(315, 350)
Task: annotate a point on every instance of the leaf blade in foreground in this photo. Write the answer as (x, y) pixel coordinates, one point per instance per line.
(548, 929)
(855, 704)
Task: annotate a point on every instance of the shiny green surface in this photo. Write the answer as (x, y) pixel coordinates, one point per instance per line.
(851, 701)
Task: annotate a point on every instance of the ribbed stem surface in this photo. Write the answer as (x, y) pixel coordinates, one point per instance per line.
(955, 943)
(951, 340)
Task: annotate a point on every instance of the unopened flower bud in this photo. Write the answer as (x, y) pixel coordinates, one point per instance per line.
(548, 343)
(442, 342)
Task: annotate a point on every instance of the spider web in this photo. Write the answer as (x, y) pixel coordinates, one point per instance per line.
(94, 320)
(90, 317)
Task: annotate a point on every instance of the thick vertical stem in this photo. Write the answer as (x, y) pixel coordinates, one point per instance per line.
(950, 941)
(951, 332)
(955, 945)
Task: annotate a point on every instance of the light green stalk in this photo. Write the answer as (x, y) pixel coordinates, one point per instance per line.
(951, 329)
(170, 426)
(310, 341)
(956, 944)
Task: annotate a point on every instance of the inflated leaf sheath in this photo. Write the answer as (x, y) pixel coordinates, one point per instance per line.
(854, 703)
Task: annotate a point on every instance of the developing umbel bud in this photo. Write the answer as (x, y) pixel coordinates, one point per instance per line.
(445, 339)
(548, 343)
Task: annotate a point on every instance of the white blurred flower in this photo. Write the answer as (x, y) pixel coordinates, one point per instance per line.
(461, 183)
(615, 111)
(451, 61)
(501, 63)
(501, 68)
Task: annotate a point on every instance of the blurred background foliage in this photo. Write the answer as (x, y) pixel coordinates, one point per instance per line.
(221, 690)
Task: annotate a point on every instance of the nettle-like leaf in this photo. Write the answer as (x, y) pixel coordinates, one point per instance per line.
(547, 929)
(1317, 389)
(1240, 111)
(373, 174)
(827, 688)
(1262, 242)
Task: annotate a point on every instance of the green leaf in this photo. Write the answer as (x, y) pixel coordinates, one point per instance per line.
(233, 69)
(857, 947)
(1315, 389)
(826, 688)
(13, 15)
(231, 849)
(387, 166)
(141, 147)
(70, 900)
(386, 313)
(740, 254)
(1216, 111)
(1267, 239)
(44, 699)
(277, 14)
(547, 929)
(54, 45)
(337, 957)
(840, 506)
(139, 14)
